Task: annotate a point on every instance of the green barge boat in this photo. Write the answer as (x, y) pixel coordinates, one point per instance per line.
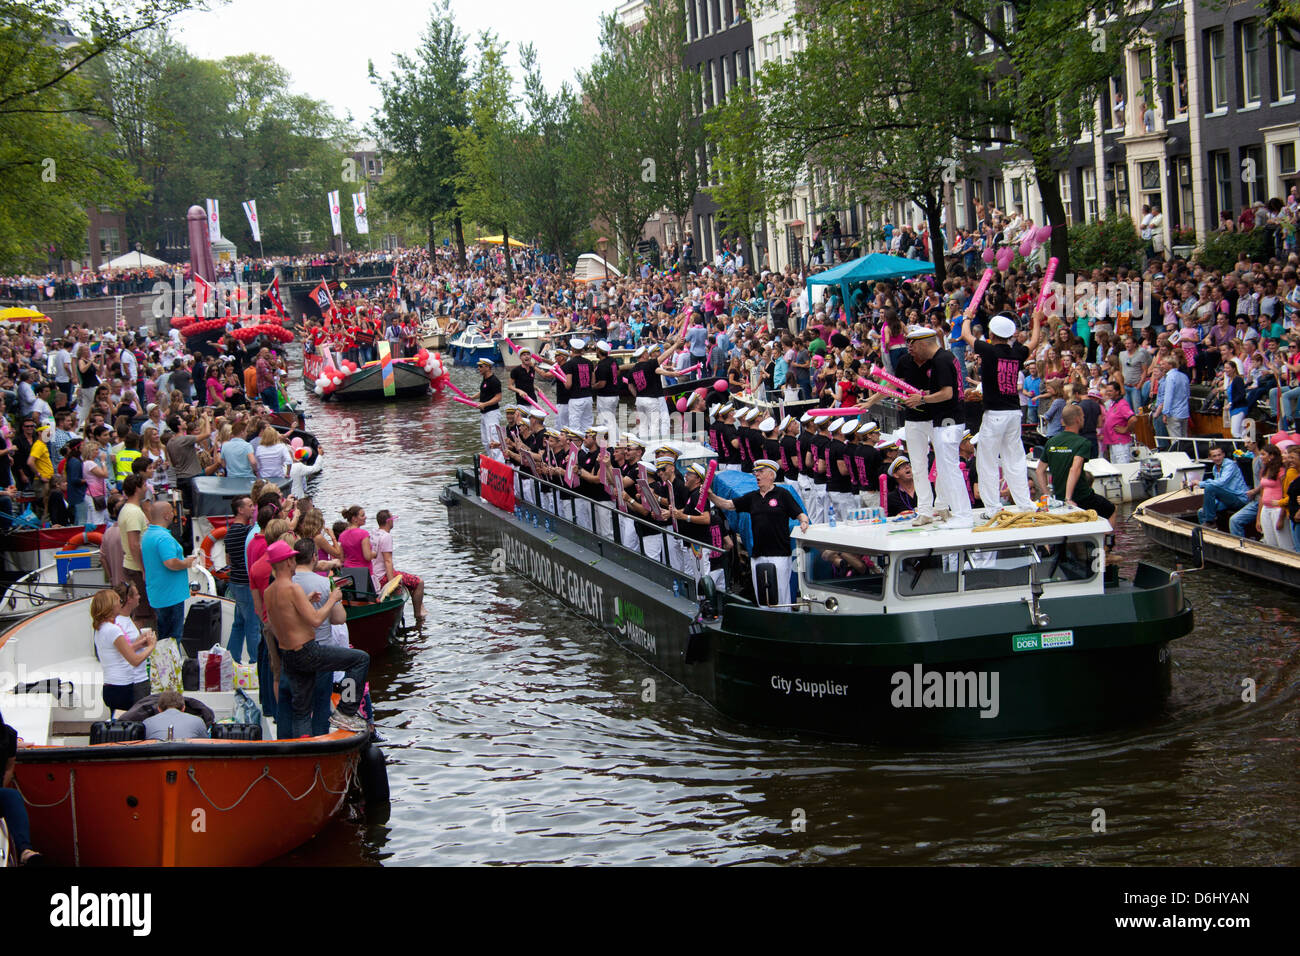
(945, 634)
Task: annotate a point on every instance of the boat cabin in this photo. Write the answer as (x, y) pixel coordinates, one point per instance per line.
(895, 567)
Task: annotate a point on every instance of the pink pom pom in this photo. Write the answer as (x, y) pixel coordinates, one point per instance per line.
(720, 385)
(296, 443)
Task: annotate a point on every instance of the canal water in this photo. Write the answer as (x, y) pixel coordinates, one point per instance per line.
(518, 733)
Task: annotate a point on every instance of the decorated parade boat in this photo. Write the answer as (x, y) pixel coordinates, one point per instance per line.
(99, 794)
(946, 634)
(386, 378)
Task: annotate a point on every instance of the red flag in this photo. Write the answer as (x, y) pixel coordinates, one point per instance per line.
(392, 294)
(202, 292)
(273, 293)
(321, 296)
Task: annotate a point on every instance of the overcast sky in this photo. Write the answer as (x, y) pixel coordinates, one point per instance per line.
(325, 44)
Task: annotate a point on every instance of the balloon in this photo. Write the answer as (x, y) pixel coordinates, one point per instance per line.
(319, 390)
(296, 443)
(1005, 255)
(1027, 246)
(719, 386)
(1043, 233)
(681, 404)
(422, 356)
(299, 454)
(988, 255)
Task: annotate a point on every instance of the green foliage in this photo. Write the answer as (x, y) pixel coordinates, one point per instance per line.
(1222, 250)
(1112, 241)
(741, 187)
(57, 156)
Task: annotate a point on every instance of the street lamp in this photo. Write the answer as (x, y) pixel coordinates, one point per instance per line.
(601, 243)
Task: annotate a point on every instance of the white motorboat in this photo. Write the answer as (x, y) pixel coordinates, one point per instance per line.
(1121, 483)
(529, 332)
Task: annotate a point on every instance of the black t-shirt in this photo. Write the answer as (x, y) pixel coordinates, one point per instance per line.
(1091, 415)
(646, 380)
(899, 501)
(838, 482)
(487, 388)
(607, 372)
(524, 379)
(589, 460)
(939, 373)
(581, 370)
(727, 454)
(911, 373)
(772, 452)
(866, 466)
(839, 340)
(790, 448)
(821, 447)
(770, 515)
(1000, 374)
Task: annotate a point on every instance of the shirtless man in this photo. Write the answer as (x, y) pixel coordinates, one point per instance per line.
(294, 622)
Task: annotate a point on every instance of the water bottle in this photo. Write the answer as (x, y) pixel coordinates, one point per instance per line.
(830, 515)
(677, 588)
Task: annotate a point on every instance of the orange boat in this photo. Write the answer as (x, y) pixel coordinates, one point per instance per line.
(136, 802)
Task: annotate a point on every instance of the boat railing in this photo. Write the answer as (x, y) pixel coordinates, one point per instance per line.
(660, 570)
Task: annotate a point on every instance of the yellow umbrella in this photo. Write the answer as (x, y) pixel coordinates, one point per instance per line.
(496, 241)
(19, 314)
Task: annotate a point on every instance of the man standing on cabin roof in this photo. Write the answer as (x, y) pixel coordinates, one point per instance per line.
(935, 418)
(489, 406)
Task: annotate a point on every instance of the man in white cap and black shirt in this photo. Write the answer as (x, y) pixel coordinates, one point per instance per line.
(560, 354)
(647, 389)
(523, 377)
(589, 487)
(771, 444)
(839, 487)
(788, 450)
(489, 406)
(606, 387)
(770, 509)
(728, 440)
(866, 460)
(630, 470)
(1000, 445)
(802, 432)
(931, 368)
(580, 378)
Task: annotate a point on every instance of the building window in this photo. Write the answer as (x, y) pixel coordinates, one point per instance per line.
(1222, 165)
(959, 204)
(1089, 194)
(1253, 190)
(108, 241)
(1149, 184)
(999, 194)
(1176, 77)
(1186, 198)
(1117, 189)
(1250, 62)
(1286, 159)
(1146, 97)
(1217, 94)
(1018, 193)
(1064, 185)
(1285, 68)
(1116, 105)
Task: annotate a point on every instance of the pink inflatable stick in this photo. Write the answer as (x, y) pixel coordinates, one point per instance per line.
(985, 281)
(1048, 276)
(884, 494)
(894, 380)
(464, 401)
(835, 412)
(877, 387)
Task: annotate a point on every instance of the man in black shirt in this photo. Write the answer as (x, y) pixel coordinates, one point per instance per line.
(605, 387)
(935, 371)
(489, 406)
(647, 388)
(867, 464)
(523, 377)
(818, 451)
(728, 439)
(771, 444)
(579, 377)
(1091, 406)
(561, 355)
(839, 486)
(770, 510)
(701, 522)
(1000, 445)
(589, 485)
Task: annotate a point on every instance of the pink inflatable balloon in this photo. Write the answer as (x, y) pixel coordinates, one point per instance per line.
(296, 443)
(1043, 233)
(681, 404)
(1027, 246)
(1005, 255)
(701, 392)
(988, 255)
(720, 385)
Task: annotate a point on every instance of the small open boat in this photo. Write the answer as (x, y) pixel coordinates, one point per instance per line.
(471, 345)
(238, 798)
(1171, 520)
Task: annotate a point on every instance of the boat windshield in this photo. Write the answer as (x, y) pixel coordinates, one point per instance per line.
(982, 569)
(851, 569)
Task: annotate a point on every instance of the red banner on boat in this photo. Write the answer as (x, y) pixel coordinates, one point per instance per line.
(496, 483)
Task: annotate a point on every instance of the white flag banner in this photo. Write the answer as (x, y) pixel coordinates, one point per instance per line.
(214, 221)
(359, 211)
(250, 210)
(336, 220)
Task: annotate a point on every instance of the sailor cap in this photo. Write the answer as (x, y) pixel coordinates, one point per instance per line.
(868, 427)
(632, 440)
(665, 460)
(597, 429)
(900, 460)
(723, 410)
(698, 471)
(652, 347)
(604, 346)
(767, 463)
(767, 425)
(538, 414)
(638, 351)
(524, 350)
(849, 427)
(785, 423)
(835, 425)
(668, 450)
(571, 432)
(918, 332)
(554, 433)
(805, 418)
(485, 361)
(1003, 326)
(754, 413)
(577, 343)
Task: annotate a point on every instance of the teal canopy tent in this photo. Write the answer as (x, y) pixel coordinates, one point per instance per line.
(868, 268)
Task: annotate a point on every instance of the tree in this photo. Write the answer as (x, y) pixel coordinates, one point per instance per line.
(742, 187)
(487, 184)
(612, 150)
(552, 191)
(1284, 16)
(56, 154)
(425, 103)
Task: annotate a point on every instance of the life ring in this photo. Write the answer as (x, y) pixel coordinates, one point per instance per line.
(86, 537)
(215, 535)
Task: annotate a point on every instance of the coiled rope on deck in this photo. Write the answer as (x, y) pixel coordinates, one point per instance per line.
(1019, 520)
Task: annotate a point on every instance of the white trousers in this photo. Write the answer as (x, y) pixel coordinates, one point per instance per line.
(652, 545)
(487, 433)
(806, 485)
(782, 566)
(562, 416)
(870, 499)
(1268, 528)
(627, 532)
(582, 512)
(950, 486)
(728, 468)
(647, 417)
(580, 414)
(917, 436)
(816, 504)
(1000, 447)
(607, 415)
(844, 502)
(604, 519)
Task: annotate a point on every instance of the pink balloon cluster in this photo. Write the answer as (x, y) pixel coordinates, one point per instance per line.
(1004, 256)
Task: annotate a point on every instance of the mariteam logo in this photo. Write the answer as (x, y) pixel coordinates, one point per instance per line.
(630, 621)
(77, 909)
(947, 689)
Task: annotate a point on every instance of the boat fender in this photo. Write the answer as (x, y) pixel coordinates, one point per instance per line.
(86, 537)
(372, 771)
(708, 592)
(206, 547)
(766, 580)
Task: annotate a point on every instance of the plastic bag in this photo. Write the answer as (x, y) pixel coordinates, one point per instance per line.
(246, 710)
(216, 669)
(246, 676)
(165, 666)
